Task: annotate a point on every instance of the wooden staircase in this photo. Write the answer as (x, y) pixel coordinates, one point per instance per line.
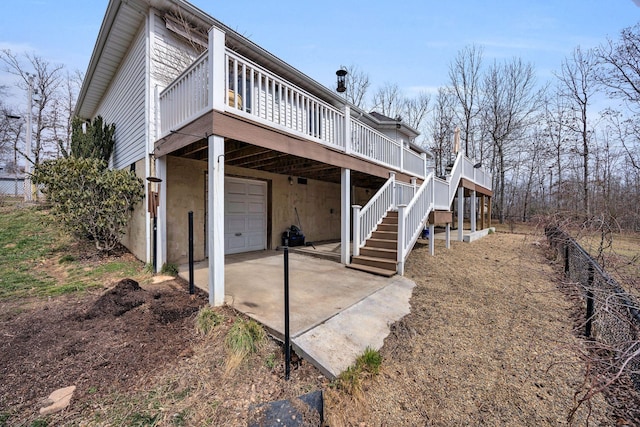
(380, 252)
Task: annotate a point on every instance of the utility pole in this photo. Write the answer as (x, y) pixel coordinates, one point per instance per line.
(28, 191)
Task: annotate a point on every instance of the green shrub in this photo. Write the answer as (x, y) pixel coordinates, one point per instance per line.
(89, 200)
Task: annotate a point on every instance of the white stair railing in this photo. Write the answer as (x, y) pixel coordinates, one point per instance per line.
(365, 220)
(411, 219)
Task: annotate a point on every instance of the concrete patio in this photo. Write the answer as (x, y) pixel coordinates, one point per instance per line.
(335, 312)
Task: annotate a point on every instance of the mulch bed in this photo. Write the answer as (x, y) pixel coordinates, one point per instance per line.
(99, 343)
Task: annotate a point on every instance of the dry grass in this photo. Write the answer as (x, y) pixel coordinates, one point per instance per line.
(488, 342)
(201, 391)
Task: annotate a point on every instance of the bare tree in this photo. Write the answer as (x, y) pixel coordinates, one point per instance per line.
(388, 100)
(414, 110)
(555, 121)
(577, 82)
(46, 81)
(464, 75)
(357, 82)
(620, 71)
(441, 129)
(510, 101)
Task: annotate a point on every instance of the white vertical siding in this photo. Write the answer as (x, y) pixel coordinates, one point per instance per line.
(124, 105)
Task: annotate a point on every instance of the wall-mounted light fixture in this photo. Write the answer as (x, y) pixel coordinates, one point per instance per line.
(342, 80)
(290, 180)
(153, 201)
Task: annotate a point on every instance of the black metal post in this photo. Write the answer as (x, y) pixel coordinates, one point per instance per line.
(287, 344)
(587, 329)
(191, 287)
(566, 259)
(155, 244)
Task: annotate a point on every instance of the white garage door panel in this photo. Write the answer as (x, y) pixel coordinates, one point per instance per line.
(234, 187)
(245, 215)
(255, 190)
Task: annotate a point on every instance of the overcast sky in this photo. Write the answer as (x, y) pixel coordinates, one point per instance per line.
(410, 43)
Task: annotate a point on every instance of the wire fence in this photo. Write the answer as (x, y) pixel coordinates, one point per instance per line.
(11, 186)
(611, 315)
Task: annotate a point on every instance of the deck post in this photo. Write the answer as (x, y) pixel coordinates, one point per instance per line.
(400, 251)
(347, 129)
(161, 172)
(432, 238)
(447, 236)
(474, 213)
(217, 69)
(356, 229)
(215, 236)
(460, 214)
(482, 211)
(345, 215)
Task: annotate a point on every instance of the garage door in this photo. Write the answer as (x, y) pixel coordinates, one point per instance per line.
(245, 215)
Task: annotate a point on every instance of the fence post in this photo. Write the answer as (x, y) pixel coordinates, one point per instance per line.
(191, 278)
(566, 259)
(287, 341)
(587, 329)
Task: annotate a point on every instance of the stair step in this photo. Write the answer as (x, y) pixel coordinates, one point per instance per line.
(381, 243)
(379, 252)
(392, 214)
(375, 262)
(387, 227)
(385, 235)
(390, 220)
(373, 270)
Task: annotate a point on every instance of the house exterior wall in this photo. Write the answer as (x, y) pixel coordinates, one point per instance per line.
(185, 192)
(124, 105)
(134, 238)
(169, 56)
(317, 202)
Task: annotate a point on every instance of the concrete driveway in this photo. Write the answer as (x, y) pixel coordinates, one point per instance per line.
(335, 312)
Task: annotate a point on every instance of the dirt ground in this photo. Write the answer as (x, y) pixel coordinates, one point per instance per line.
(489, 341)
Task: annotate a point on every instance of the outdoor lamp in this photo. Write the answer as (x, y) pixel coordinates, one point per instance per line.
(342, 80)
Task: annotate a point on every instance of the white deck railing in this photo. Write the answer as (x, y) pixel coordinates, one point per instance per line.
(187, 98)
(261, 96)
(370, 144)
(413, 162)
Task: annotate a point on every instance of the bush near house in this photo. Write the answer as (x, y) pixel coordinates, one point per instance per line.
(90, 200)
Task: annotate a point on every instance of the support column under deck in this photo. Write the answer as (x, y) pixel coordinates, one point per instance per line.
(447, 236)
(215, 238)
(161, 172)
(473, 215)
(432, 238)
(345, 216)
(482, 211)
(460, 214)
